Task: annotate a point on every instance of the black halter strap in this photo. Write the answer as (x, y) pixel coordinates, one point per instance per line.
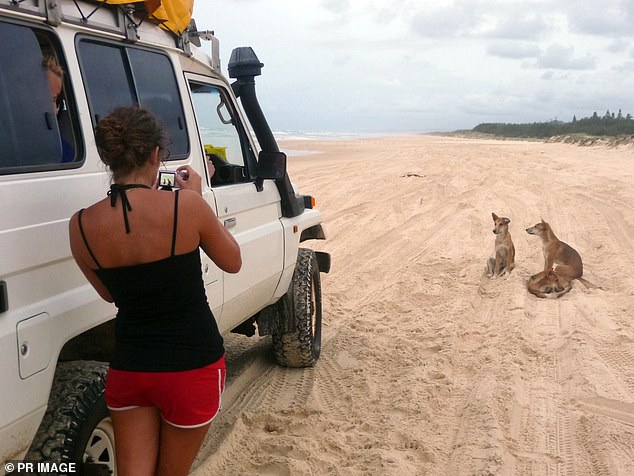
(117, 190)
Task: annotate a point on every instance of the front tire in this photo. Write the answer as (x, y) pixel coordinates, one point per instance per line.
(301, 307)
(77, 426)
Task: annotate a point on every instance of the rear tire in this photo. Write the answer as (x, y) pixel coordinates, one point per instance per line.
(301, 307)
(77, 427)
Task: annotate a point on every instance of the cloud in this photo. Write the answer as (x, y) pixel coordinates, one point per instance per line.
(625, 68)
(336, 6)
(559, 56)
(446, 21)
(343, 60)
(484, 19)
(514, 49)
(519, 27)
(618, 46)
(494, 106)
(609, 18)
(551, 75)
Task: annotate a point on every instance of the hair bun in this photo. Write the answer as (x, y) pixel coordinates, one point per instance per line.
(126, 137)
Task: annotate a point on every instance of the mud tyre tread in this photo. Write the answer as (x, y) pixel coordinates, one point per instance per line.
(301, 306)
(76, 406)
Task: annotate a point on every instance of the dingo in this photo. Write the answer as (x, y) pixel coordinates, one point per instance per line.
(548, 285)
(558, 256)
(504, 254)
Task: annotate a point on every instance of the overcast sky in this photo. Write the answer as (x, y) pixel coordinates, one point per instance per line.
(430, 65)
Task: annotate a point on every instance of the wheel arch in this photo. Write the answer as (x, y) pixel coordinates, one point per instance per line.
(313, 232)
(96, 343)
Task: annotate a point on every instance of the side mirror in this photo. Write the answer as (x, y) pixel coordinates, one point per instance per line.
(271, 165)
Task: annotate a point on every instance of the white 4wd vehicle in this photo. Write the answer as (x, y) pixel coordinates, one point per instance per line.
(56, 334)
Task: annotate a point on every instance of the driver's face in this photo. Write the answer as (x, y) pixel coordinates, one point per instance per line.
(55, 85)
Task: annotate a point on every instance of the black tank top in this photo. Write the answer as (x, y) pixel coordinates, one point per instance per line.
(164, 323)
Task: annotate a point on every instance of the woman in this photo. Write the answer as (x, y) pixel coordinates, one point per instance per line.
(55, 77)
(139, 248)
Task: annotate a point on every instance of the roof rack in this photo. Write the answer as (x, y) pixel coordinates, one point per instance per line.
(121, 18)
(115, 16)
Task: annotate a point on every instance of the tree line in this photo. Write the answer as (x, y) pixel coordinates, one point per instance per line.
(610, 124)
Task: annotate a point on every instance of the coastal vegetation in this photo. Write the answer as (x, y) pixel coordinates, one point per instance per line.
(612, 126)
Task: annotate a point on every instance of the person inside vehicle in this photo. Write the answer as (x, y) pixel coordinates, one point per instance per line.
(55, 76)
(139, 248)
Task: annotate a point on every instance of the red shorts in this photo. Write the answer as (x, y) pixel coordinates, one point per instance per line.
(187, 399)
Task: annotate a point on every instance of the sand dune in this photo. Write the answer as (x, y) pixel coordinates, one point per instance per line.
(428, 367)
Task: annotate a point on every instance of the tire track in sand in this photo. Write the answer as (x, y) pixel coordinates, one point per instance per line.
(577, 438)
(548, 436)
(263, 400)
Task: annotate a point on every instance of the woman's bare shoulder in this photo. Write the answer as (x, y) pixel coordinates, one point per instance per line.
(190, 195)
(193, 200)
(86, 211)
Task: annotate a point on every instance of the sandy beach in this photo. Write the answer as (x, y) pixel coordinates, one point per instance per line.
(428, 367)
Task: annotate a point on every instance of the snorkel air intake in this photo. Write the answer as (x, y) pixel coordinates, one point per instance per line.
(244, 66)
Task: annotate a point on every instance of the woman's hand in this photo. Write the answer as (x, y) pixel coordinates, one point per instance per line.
(211, 168)
(188, 179)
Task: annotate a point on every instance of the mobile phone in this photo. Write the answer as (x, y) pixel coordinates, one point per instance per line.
(167, 180)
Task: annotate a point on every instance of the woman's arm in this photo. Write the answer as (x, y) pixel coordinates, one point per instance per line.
(215, 240)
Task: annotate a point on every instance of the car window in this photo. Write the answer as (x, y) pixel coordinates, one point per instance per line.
(106, 80)
(30, 130)
(222, 135)
(157, 90)
(116, 75)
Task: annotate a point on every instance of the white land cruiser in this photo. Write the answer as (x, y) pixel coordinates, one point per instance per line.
(55, 332)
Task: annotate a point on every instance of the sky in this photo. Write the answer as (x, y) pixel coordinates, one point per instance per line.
(392, 66)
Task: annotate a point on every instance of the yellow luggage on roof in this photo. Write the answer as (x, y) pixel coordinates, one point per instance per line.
(173, 15)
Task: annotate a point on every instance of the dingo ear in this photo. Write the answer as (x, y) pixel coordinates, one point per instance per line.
(506, 221)
(542, 220)
(495, 217)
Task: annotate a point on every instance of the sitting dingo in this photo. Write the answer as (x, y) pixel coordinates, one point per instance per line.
(562, 264)
(504, 253)
(558, 256)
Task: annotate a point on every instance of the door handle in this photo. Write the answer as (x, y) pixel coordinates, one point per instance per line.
(230, 222)
(4, 299)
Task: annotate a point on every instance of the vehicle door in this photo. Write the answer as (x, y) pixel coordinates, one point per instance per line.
(248, 208)
(146, 77)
